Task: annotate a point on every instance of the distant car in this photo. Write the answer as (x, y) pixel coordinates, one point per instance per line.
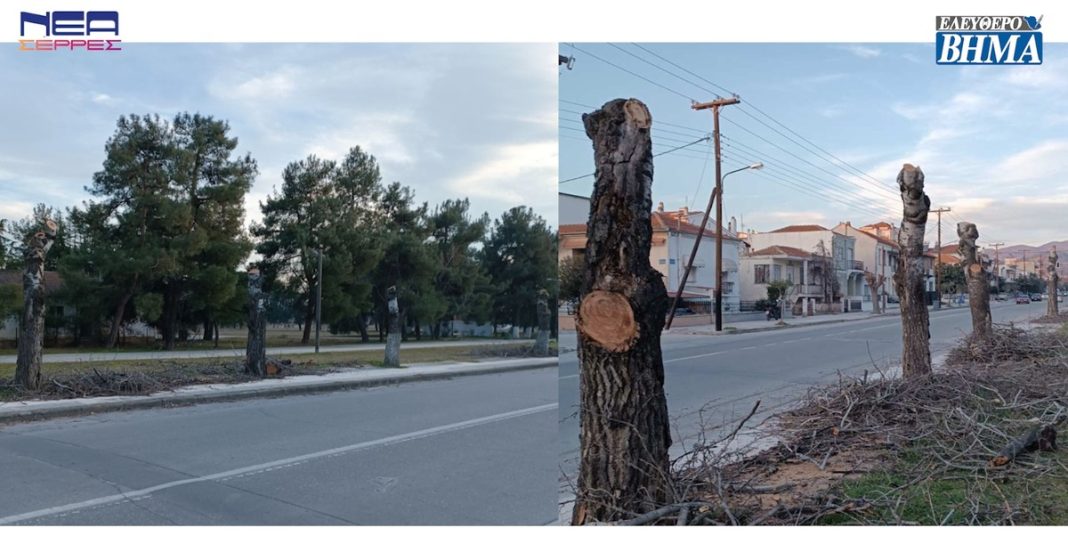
(1037, 297)
(1023, 299)
(892, 300)
(1001, 296)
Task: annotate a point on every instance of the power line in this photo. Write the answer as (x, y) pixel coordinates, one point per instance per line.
(672, 150)
(639, 76)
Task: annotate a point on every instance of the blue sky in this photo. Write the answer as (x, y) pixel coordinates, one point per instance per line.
(448, 120)
(992, 140)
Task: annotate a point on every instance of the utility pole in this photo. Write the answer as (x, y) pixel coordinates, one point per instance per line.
(938, 267)
(997, 268)
(715, 106)
(318, 299)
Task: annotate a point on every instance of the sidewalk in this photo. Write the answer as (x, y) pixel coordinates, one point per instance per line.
(790, 322)
(296, 385)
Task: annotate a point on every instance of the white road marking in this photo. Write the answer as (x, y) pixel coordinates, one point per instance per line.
(219, 476)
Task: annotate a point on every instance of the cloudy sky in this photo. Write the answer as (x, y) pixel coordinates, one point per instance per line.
(448, 120)
(992, 140)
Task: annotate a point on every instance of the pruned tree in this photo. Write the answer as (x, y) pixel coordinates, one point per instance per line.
(910, 277)
(31, 341)
(393, 339)
(1053, 283)
(541, 344)
(978, 281)
(875, 284)
(625, 435)
(256, 348)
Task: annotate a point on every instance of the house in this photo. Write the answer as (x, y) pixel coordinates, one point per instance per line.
(802, 269)
(831, 247)
(879, 255)
(674, 235)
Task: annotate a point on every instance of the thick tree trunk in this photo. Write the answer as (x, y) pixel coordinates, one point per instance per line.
(256, 348)
(541, 345)
(978, 282)
(1052, 285)
(624, 466)
(393, 341)
(209, 331)
(910, 276)
(363, 330)
(875, 283)
(31, 341)
(116, 320)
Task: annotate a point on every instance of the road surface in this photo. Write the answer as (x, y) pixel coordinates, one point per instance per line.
(719, 378)
(477, 450)
(82, 357)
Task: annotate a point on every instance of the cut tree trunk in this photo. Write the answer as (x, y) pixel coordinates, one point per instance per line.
(256, 348)
(875, 284)
(31, 341)
(978, 281)
(116, 319)
(541, 345)
(393, 339)
(911, 274)
(624, 428)
(1052, 285)
(1038, 437)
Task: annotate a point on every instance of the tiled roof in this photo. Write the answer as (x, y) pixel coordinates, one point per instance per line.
(800, 228)
(782, 250)
(661, 221)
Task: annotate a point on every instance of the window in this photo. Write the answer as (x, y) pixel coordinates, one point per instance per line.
(663, 261)
(776, 272)
(760, 273)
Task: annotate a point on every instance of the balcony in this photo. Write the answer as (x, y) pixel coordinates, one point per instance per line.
(856, 265)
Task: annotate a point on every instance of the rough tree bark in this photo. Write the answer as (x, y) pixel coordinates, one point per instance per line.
(31, 341)
(541, 345)
(875, 283)
(978, 281)
(910, 277)
(393, 339)
(625, 435)
(256, 349)
(1052, 284)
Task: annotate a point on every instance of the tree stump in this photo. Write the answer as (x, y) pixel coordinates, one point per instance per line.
(978, 281)
(625, 436)
(31, 341)
(541, 345)
(1052, 286)
(910, 276)
(875, 283)
(393, 339)
(256, 347)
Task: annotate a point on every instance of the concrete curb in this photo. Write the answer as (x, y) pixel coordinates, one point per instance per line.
(16, 411)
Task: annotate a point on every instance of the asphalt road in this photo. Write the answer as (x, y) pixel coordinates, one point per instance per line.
(88, 356)
(477, 450)
(710, 380)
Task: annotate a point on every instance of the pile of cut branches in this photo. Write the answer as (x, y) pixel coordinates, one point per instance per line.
(961, 446)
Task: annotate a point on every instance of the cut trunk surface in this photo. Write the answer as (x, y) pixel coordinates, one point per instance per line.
(624, 436)
(1038, 437)
(911, 277)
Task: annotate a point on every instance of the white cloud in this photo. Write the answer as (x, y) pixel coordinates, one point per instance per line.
(513, 173)
(1045, 160)
(102, 98)
(863, 51)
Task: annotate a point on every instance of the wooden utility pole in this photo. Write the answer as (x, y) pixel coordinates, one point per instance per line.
(715, 106)
(978, 282)
(938, 254)
(256, 347)
(909, 277)
(319, 299)
(624, 468)
(31, 342)
(997, 267)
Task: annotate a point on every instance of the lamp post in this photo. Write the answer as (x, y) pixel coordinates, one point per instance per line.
(719, 251)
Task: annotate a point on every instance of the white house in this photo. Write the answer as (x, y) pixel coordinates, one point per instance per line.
(827, 245)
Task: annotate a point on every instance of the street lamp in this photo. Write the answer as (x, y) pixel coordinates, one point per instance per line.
(716, 193)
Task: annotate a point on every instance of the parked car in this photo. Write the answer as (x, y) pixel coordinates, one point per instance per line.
(1001, 296)
(1023, 299)
(1037, 297)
